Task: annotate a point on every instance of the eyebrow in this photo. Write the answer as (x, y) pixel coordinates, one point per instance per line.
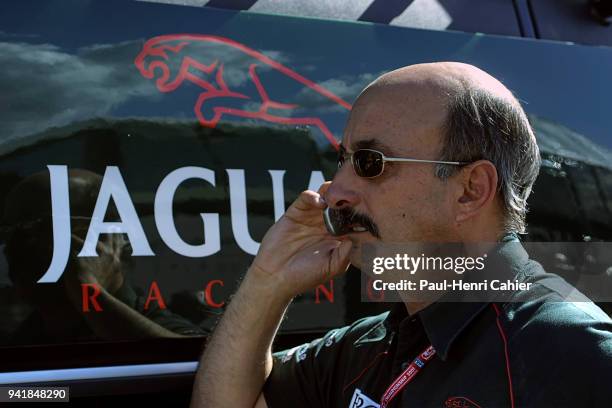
(373, 144)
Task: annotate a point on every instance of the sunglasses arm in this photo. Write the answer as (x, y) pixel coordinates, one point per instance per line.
(396, 159)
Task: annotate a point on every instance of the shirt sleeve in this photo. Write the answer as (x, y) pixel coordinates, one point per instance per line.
(314, 374)
(303, 376)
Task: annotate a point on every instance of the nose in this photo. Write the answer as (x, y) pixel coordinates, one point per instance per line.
(343, 191)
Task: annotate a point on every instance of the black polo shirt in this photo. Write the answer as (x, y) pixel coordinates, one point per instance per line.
(538, 351)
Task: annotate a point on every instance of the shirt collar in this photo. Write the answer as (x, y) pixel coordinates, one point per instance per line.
(445, 321)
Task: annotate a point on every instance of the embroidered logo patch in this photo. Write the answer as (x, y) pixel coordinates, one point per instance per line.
(460, 402)
(360, 400)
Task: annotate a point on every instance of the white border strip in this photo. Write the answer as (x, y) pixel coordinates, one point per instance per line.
(92, 373)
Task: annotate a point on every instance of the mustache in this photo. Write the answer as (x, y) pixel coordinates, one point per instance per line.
(343, 218)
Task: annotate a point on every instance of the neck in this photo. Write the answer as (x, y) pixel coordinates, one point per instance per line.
(474, 247)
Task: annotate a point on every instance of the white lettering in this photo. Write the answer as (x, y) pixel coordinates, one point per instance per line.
(60, 212)
(114, 187)
(165, 220)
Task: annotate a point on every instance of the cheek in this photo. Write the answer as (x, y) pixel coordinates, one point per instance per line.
(415, 210)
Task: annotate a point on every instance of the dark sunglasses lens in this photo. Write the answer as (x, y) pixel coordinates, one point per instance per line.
(368, 163)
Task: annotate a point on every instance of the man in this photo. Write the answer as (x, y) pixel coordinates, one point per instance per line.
(483, 160)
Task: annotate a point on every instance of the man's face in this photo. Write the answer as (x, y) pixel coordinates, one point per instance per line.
(407, 202)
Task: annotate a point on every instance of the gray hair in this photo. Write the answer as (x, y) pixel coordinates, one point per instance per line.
(482, 125)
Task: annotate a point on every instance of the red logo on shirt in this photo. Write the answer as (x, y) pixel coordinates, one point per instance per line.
(460, 402)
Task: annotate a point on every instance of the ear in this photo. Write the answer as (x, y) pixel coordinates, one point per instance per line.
(477, 190)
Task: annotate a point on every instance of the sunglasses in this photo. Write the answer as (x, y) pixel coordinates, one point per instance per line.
(370, 163)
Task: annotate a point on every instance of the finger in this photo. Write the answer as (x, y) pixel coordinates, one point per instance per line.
(76, 246)
(324, 187)
(308, 200)
(78, 239)
(339, 259)
(101, 247)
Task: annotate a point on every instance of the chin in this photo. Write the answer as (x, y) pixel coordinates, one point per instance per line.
(358, 242)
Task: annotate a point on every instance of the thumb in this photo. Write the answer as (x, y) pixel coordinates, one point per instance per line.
(339, 261)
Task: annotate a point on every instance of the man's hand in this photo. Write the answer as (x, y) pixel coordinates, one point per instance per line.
(298, 253)
(103, 270)
(117, 319)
